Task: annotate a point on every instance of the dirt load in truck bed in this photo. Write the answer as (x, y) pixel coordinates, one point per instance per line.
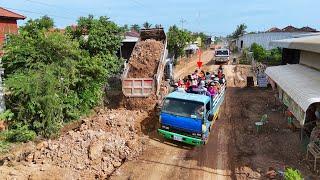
(145, 59)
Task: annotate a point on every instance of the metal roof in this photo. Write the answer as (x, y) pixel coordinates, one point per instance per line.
(309, 43)
(9, 14)
(300, 82)
(189, 97)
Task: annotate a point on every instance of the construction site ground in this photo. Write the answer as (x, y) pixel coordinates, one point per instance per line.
(119, 143)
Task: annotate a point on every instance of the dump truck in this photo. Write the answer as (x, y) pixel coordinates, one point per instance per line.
(222, 55)
(189, 117)
(142, 86)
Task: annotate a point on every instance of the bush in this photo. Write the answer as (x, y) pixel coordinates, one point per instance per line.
(4, 146)
(271, 57)
(291, 174)
(19, 134)
(259, 53)
(53, 78)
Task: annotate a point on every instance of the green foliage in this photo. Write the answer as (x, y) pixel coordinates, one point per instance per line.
(136, 27)
(240, 30)
(217, 40)
(178, 40)
(147, 25)
(6, 116)
(18, 133)
(53, 78)
(98, 36)
(259, 53)
(291, 174)
(33, 26)
(203, 37)
(4, 146)
(272, 57)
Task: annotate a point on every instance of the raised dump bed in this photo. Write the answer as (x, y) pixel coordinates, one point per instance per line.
(144, 71)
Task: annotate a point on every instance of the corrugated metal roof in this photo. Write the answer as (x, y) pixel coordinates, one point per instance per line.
(309, 43)
(189, 97)
(301, 83)
(9, 14)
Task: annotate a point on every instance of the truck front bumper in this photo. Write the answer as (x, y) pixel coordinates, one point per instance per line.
(183, 138)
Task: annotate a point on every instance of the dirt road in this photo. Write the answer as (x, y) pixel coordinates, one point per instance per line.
(165, 159)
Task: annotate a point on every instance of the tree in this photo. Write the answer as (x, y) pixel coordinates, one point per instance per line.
(178, 40)
(259, 53)
(53, 77)
(135, 27)
(147, 25)
(33, 26)
(125, 27)
(240, 30)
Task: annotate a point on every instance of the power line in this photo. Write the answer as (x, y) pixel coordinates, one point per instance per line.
(182, 21)
(52, 5)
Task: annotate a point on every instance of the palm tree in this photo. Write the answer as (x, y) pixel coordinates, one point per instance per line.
(135, 27)
(147, 25)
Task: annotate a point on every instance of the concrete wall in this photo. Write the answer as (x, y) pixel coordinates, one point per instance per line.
(310, 59)
(264, 38)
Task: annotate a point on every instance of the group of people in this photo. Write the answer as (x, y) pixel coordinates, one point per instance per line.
(201, 82)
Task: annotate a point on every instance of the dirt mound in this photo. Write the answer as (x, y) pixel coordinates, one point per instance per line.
(99, 146)
(145, 58)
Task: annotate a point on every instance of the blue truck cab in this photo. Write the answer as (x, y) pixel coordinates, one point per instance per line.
(188, 117)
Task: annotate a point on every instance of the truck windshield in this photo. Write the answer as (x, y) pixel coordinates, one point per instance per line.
(222, 53)
(183, 108)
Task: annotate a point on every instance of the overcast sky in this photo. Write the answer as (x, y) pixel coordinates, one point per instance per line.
(215, 17)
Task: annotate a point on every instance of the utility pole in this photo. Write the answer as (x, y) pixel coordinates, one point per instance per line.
(182, 21)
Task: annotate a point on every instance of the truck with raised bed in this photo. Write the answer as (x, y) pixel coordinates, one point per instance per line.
(139, 87)
(188, 117)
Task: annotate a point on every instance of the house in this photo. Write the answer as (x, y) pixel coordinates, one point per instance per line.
(298, 79)
(128, 43)
(8, 24)
(264, 38)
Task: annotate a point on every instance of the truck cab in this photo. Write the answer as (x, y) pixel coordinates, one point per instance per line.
(188, 117)
(222, 55)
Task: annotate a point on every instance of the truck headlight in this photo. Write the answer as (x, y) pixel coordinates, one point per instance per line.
(204, 128)
(165, 127)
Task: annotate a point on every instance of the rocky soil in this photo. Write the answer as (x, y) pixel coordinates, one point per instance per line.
(145, 58)
(94, 150)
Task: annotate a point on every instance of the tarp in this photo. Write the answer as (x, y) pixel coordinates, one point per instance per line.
(301, 83)
(309, 43)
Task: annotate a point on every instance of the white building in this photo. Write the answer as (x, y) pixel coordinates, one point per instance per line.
(264, 38)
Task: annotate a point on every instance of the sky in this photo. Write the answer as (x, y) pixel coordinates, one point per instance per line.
(213, 17)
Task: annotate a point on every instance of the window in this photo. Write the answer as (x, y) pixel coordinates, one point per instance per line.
(183, 108)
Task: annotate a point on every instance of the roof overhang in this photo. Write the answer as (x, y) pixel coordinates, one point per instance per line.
(308, 43)
(130, 39)
(301, 83)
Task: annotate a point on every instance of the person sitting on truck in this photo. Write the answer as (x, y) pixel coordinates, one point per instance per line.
(222, 80)
(212, 89)
(216, 82)
(180, 82)
(201, 89)
(208, 75)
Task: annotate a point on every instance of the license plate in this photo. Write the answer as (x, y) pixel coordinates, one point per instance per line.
(177, 138)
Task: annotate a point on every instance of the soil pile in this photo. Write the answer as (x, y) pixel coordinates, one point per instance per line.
(145, 58)
(99, 146)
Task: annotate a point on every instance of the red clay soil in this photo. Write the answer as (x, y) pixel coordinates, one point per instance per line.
(145, 58)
